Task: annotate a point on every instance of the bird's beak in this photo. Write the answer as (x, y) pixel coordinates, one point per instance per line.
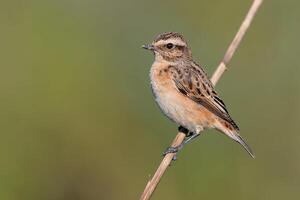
(148, 47)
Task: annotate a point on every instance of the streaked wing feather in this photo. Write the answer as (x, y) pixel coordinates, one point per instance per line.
(193, 82)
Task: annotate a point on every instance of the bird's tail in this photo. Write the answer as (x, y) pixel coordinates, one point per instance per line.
(230, 131)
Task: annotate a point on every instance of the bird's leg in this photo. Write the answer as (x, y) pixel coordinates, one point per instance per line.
(176, 149)
(189, 137)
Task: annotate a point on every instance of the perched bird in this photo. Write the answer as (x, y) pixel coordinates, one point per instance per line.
(184, 92)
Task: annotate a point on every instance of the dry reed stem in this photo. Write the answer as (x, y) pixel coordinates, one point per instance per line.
(151, 185)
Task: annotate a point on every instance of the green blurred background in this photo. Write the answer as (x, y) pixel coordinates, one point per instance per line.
(78, 120)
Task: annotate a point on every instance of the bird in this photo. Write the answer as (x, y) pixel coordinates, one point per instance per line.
(185, 94)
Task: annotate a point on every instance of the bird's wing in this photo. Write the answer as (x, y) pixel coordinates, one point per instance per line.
(193, 82)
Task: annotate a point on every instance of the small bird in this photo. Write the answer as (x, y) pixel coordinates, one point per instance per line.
(184, 92)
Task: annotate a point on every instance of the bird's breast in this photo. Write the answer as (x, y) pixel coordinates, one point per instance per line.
(176, 106)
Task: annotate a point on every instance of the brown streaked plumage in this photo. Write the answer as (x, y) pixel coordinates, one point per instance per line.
(184, 92)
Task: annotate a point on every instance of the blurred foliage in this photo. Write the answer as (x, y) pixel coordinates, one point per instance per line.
(78, 120)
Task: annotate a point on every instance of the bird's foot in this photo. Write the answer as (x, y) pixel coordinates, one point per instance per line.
(172, 150)
(189, 136)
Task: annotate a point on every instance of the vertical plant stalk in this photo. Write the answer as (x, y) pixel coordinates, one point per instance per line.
(152, 184)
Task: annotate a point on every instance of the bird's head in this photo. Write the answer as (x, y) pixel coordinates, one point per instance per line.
(169, 46)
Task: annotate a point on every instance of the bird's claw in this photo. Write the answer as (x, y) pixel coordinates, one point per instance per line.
(172, 150)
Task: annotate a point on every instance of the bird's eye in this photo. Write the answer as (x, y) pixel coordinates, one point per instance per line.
(169, 45)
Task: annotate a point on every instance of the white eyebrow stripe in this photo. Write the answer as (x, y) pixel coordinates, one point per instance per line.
(176, 41)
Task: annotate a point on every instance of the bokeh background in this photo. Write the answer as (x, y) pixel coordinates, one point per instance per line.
(78, 120)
